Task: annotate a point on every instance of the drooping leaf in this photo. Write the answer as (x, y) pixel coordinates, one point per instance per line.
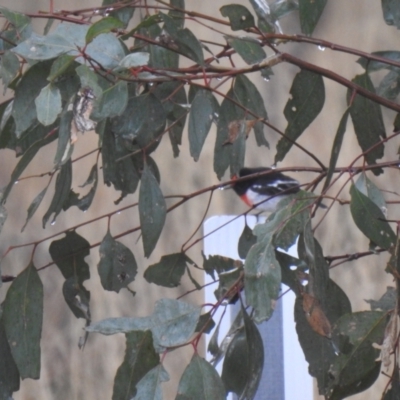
(368, 188)
(21, 22)
(306, 102)
(244, 360)
(152, 210)
(34, 206)
(368, 122)
(60, 66)
(310, 11)
(9, 67)
(140, 358)
(356, 368)
(122, 174)
(168, 271)
(370, 219)
(185, 41)
(26, 92)
(248, 48)
(104, 25)
(64, 150)
(22, 318)
(142, 121)
(48, 104)
(69, 255)
(112, 102)
(246, 240)
(149, 387)
(202, 111)
(172, 323)
(134, 60)
(61, 192)
(239, 16)
(9, 375)
(337, 145)
(265, 20)
(77, 298)
(117, 267)
(262, 277)
(248, 96)
(28, 156)
(280, 9)
(124, 14)
(391, 12)
(200, 381)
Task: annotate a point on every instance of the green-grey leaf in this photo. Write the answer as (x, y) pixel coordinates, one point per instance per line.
(77, 298)
(248, 48)
(200, 381)
(239, 16)
(140, 358)
(117, 267)
(389, 87)
(357, 368)
(262, 276)
(368, 122)
(184, 39)
(23, 317)
(112, 102)
(337, 145)
(246, 241)
(391, 12)
(89, 79)
(59, 66)
(370, 219)
(21, 21)
(368, 188)
(172, 323)
(149, 387)
(64, 150)
(48, 104)
(61, 192)
(26, 92)
(24, 162)
(168, 271)
(310, 11)
(9, 375)
(306, 102)
(69, 255)
(244, 360)
(9, 67)
(124, 14)
(104, 25)
(134, 60)
(201, 115)
(43, 47)
(34, 206)
(152, 210)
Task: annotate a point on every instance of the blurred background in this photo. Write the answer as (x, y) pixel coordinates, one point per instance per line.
(69, 373)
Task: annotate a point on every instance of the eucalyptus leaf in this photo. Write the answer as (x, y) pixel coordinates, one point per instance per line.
(48, 104)
(22, 318)
(310, 13)
(117, 267)
(239, 16)
(306, 102)
(152, 210)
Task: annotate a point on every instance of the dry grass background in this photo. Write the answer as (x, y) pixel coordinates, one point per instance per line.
(67, 372)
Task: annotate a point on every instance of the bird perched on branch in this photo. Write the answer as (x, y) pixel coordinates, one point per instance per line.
(265, 190)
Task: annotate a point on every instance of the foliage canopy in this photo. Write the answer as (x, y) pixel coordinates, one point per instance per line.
(137, 78)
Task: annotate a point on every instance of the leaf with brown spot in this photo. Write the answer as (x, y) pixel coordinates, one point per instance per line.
(315, 316)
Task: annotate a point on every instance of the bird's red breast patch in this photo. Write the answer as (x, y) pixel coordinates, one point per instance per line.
(246, 199)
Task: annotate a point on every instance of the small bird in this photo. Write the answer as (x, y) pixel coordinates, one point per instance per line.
(265, 191)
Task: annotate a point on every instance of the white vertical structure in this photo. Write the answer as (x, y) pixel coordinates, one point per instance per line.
(285, 375)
